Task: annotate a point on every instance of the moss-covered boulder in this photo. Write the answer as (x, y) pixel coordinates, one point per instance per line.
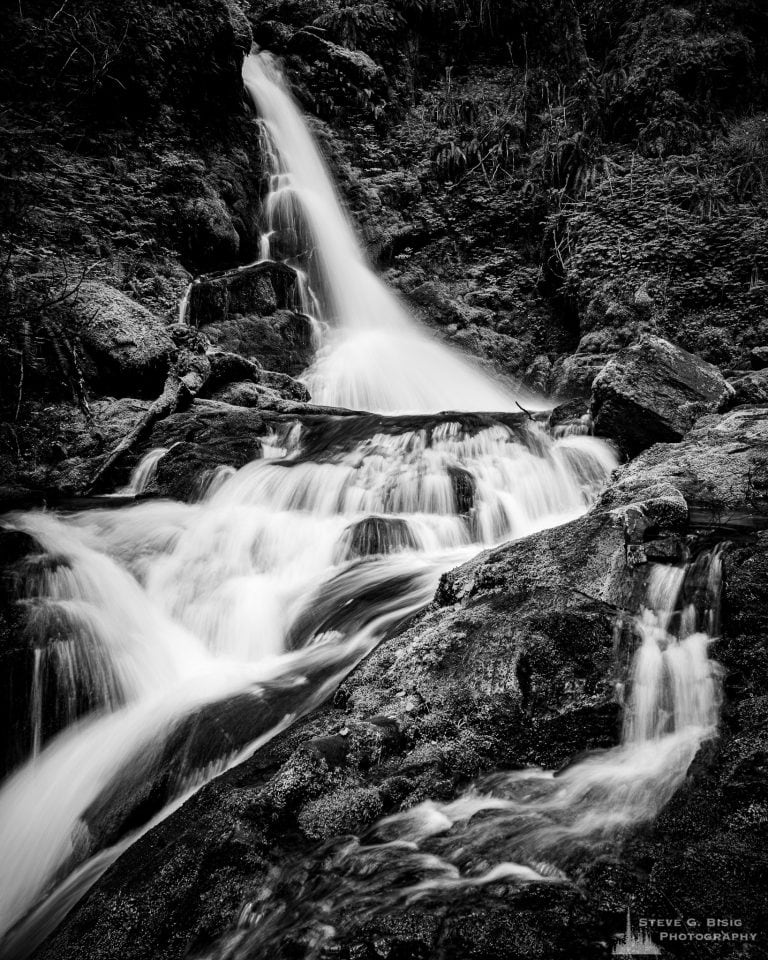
(654, 392)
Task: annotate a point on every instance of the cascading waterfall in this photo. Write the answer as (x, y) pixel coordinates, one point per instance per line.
(529, 826)
(177, 638)
(145, 472)
(236, 608)
(375, 356)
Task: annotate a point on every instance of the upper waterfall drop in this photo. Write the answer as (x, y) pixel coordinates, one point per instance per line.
(376, 356)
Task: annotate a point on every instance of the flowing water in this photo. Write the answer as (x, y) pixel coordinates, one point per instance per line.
(374, 356)
(529, 826)
(168, 640)
(237, 610)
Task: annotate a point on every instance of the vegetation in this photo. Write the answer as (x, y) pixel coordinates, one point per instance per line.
(624, 143)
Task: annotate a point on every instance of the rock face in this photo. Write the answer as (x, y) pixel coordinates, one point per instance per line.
(513, 664)
(251, 311)
(129, 346)
(654, 391)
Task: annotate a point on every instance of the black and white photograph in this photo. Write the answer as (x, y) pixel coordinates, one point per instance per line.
(383, 479)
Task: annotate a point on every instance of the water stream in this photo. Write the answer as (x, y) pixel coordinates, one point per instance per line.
(374, 357)
(523, 827)
(171, 640)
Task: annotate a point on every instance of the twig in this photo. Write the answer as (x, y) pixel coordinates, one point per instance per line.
(619, 611)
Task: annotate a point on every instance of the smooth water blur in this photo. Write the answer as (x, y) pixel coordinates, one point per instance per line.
(527, 826)
(143, 617)
(169, 640)
(374, 356)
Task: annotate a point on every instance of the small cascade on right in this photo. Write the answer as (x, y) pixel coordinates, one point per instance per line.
(671, 703)
(527, 826)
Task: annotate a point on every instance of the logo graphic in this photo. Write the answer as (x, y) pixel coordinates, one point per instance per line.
(628, 944)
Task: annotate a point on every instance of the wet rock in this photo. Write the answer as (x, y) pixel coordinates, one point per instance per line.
(719, 467)
(375, 536)
(571, 417)
(572, 376)
(282, 341)
(129, 346)
(200, 440)
(339, 812)
(257, 289)
(654, 391)
(285, 386)
(238, 380)
(463, 484)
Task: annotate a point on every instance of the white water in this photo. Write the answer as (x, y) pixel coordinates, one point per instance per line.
(673, 708)
(145, 472)
(152, 612)
(375, 357)
(234, 612)
(529, 826)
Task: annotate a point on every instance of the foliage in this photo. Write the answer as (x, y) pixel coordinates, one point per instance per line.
(707, 250)
(476, 127)
(38, 350)
(108, 64)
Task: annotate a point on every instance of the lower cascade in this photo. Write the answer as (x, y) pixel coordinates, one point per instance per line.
(178, 637)
(527, 826)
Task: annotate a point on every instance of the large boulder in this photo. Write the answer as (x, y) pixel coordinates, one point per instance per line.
(654, 392)
(572, 376)
(130, 347)
(201, 439)
(282, 341)
(251, 311)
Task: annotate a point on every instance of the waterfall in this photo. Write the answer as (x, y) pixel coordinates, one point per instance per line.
(375, 356)
(528, 826)
(170, 640)
(144, 472)
(157, 621)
